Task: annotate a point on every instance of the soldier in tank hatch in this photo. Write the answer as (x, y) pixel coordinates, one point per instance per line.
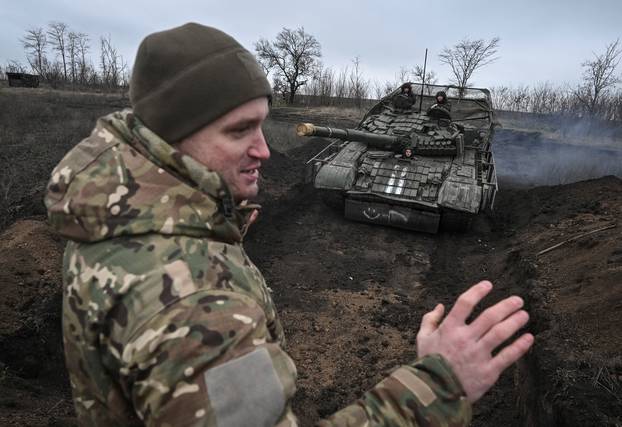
(441, 99)
(166, 321)
(406, 98)
(441, 109)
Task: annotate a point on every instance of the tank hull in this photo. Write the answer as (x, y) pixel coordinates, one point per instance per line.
(446, 178)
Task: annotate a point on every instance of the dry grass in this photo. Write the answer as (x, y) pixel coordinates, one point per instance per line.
(567, 130)
(37, 128)
(574, 170)
(281, 136)
(352, 113)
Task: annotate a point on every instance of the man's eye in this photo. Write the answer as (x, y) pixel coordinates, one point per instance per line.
(241, 130)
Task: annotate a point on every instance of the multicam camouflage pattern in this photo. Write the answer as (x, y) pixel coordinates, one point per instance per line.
(166, 320)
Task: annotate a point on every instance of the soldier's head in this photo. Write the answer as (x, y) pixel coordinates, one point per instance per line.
(202, 92)
(408, 153)
(441, 97)
(406, 88)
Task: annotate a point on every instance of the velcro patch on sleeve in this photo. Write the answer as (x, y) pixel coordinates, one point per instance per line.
(246, 391)
(416, 385)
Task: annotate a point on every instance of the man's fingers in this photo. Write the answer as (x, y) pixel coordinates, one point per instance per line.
(430, 320)
(504, 330)
(467, 301)
(512, 353)
(493, 315)
(253, 216)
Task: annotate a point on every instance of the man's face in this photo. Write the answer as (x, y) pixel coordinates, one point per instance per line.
(234, 146)
(440, 99)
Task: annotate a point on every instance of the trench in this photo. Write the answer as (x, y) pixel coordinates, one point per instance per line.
(527, 394)
(524, 394)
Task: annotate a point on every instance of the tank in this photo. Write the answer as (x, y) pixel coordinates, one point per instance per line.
(422, 165)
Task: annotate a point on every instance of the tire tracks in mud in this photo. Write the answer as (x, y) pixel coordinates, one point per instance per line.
(460, 260)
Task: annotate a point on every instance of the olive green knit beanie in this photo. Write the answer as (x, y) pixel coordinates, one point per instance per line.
(186, 77)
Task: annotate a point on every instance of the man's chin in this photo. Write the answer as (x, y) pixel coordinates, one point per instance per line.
(248, 193)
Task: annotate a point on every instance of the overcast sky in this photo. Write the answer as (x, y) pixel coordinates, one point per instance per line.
(541, 40)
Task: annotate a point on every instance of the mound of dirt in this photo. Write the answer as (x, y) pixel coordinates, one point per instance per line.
(571, 240)
(34, 388)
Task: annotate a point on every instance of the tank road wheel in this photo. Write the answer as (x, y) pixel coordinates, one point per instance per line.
(454, 221)
(334, 199)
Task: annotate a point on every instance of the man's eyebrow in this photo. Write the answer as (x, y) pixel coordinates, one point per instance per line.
(241, 123)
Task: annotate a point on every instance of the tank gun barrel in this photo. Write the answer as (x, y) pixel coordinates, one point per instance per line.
(375, 140)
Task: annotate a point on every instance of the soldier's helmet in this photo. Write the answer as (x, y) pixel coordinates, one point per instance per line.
(406, 86)
(441, 94)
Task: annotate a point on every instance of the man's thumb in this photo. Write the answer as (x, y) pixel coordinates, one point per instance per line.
(430, 321)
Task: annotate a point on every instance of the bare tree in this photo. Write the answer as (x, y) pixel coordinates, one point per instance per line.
(292, 56)
(417, 76)
(57, 33)
(519, 98)
(402, 76)
(341, 84)
(542, 98)
(82, 49)
(35, 43)
(54, 74)
(467, 56)
(388, 87)
(278, 88)
(500, 97)
(113, 68)
(599, 75)
(381, 89)
(358, 87)
(72, 53)
(321, 84)
(326, 83)
(14, 66)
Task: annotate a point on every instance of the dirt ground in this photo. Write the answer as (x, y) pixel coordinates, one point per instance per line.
(351, 295)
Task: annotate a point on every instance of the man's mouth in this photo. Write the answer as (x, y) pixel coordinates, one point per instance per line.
(251, 172)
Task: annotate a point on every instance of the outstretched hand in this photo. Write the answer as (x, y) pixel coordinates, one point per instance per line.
(468, 347)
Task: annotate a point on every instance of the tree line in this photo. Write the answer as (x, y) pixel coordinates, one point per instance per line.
(293, 59)
(546, 98)
(597, 95)
(60, 56)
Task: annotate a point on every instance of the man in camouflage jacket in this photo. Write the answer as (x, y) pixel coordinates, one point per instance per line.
(166, 321)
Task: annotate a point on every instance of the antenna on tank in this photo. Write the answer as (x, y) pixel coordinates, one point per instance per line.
(425, 62)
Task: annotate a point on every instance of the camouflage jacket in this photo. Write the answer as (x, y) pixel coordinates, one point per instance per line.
(166, 321)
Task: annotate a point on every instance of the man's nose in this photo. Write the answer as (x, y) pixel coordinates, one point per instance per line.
(259, 149)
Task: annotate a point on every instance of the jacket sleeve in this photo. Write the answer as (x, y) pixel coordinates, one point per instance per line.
(425, 393)
(208, 360)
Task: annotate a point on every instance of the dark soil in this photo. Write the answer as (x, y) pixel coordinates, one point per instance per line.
(351, 296)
